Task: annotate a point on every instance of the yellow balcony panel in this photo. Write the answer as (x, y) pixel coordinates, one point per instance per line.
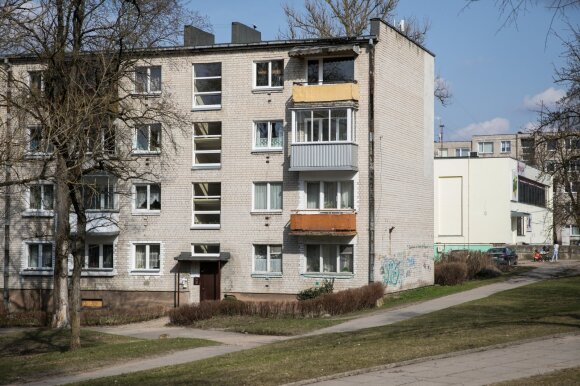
(325, 92)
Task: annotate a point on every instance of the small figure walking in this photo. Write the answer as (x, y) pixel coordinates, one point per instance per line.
(555, 253)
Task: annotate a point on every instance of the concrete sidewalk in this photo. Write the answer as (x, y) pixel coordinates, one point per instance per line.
(472, 368)
(233, 342)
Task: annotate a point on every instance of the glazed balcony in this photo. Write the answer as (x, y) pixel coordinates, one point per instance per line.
(313, 93)
(323, 223)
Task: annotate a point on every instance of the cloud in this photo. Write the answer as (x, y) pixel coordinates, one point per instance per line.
(547, 98)
(494, 126)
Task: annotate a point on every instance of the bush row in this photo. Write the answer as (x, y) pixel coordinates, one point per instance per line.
(456, 268)
(331, 303)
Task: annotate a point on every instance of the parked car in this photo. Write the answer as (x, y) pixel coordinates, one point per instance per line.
(503, 255)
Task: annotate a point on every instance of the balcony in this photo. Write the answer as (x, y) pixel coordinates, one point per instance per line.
(323, 223)
(325, 92)
(313, 156)
(98, 223)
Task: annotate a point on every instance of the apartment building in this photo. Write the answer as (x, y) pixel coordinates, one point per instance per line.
(291, 174)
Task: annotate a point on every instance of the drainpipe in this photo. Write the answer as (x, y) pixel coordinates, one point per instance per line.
(371, 161)
(7, 189)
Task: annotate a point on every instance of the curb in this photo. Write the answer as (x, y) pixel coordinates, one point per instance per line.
(425, 359)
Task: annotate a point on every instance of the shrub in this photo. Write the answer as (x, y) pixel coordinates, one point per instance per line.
(314, 292)
(106, 317)
(475, 261)
(24, 319)
(329, 303)
(450, 273)
(488, 273)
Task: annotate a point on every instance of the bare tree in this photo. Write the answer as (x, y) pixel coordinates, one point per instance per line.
(85, 56)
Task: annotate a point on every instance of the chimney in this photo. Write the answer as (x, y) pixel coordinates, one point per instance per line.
(193, 36)
(241, 33)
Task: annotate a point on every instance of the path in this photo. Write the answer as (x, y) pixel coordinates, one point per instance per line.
(473, 368)
(232, 342)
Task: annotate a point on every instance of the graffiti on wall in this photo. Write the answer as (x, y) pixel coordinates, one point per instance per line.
(414, 262)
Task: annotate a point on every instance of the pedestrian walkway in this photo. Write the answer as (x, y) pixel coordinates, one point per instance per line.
(232, 342)
(473, 368)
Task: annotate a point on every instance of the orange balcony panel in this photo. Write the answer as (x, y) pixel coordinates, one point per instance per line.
(329, 224)
(325, 92)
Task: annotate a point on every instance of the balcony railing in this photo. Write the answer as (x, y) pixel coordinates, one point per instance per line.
(323, 223)
(303, 93)
(324, 156)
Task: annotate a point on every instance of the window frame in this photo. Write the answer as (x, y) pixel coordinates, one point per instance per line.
(148, 90)
(459, 152)
(149, 150)
(44, 147)
(572, 227)
(42, 210)
(101, 245)
(147, 270)
(269, 259)
(195, 106)
(338, 256)
(207, 137)
(320, 75)
(255, 75)
(505, 146)
(148, 210)
(321, 195)
(205, 255)
(105, 135)
(209, 212)
(350, 125)
(31, 74)
(111, 190)
(39, 244)
(268, 209)
(271, 126)
(481, 147)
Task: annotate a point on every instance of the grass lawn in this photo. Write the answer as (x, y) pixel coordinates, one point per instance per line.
(567, 377)
(35, 354)
(540, 309)
(288, 326)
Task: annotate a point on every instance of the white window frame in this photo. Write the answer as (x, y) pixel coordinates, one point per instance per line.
(42, 144)
(148, 90)
(269, 86)
(102, 141)
(194, 78)
(268, 197)
(321, 260)
(443, 152)
(111, 189)
(481, 147)
(101, 245)
(462, 152)
(205, 255)
(26, 254)
(147, 270)
(149, 149)
(202, 138)
(147, 210)
(350, 125)
(574, 227)
(271, 125)
(321, 68)
(42, 211)
(268, 259)
(321, 194)
(194, 212)
(506, 146)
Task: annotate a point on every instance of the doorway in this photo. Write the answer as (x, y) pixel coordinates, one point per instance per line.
(209, 280)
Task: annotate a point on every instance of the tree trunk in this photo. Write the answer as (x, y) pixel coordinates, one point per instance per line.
(60, 317)
(75, 295)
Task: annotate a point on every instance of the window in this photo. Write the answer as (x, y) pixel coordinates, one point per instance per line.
(207, 85)
(101, 140)
(462, 152)
(329, 195)
(269, 74)
(147, 198)
(485, 147)
(41, 197)
(206, 205)
(99, 193)
(206, 250)
(148, 80)
(38, 141)
(520, 225)
(268, 196)
(268, 258)
(35, 82)
(506, 146)
(573, 143)
(572, 187)
(552, 144)
(207, 144)
(268, 135)
(328, 125)
(574, 230)
(443, 153)
(147, 256)
(330, 70)
(148, 138)
(329, 258)
(40, 255)
(99, 256)
(530, 192)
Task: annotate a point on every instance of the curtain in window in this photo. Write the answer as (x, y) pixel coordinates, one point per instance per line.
(261, 196)
(260, 258)
(141, 197)
(155, 196)
(278, 73)
(262, 134)
(140, 259)
(141, 79)
(277, 134)
(313, 194)
(47, 255)
(155, 78)
(33, 255)
(346, 195)
(312, 258)
(275, 196)
(330, 195)
(154, 256)
(328, 258)
(107, 256)
(345, 258)
(275, 258)
(262, 74)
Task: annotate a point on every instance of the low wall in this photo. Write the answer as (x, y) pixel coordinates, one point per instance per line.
(565, 252)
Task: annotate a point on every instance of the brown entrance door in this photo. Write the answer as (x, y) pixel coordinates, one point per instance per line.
(209, 280)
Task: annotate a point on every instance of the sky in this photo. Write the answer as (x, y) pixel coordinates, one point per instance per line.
(498, 74)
